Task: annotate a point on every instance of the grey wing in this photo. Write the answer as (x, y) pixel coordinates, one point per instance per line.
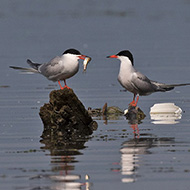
(142, 84)
(52, 68)
(54, 61)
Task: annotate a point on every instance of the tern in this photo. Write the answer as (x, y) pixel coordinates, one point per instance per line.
(136, 82)
(59, 68)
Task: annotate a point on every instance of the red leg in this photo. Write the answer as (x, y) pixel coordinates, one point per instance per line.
(135, 130)
(137, 99)
(133, 103)
(66, 85)
(60, 85)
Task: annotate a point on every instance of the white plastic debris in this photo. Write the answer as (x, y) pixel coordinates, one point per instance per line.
(165, 108)
(165, 113)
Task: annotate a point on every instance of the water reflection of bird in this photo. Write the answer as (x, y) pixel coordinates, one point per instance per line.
(131, 151)
(59, 68)
(136, 82)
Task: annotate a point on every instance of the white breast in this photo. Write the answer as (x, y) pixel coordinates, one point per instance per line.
(125, 73)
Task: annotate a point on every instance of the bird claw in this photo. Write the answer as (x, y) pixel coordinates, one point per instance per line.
(65, 87)
(133, 104)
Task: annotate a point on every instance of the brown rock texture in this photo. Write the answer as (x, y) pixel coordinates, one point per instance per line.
(65, 119)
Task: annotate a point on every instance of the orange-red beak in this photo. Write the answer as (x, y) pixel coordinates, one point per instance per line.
(112, 56)
(82, 56)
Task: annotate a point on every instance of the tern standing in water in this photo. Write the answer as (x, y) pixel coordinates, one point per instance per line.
(134, 81)
(59, 68)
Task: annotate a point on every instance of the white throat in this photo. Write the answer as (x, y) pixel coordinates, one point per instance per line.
(125, 73)
(70, 58)
(126, 67)
(70, 64)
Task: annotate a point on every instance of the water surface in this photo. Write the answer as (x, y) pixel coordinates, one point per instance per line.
(118, 155)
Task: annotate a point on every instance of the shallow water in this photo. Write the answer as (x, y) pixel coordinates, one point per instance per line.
(117, 155)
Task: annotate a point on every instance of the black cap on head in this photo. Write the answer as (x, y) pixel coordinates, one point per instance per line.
(72, 51)
(126, 53)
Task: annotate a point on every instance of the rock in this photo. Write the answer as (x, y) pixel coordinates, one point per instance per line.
(114, 110)
(65, 119)
(105, 111)
(134, 114)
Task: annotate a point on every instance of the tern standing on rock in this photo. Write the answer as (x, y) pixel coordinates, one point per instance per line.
(59, 68)
(136, 82)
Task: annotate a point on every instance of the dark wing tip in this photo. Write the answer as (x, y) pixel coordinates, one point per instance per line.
(28, 61)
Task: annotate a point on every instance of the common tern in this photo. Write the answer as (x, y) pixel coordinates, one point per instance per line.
(59, 68)
(134, 81)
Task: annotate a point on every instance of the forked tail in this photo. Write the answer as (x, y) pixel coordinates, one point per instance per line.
(167, 87)
(33, 65)
(34, 68)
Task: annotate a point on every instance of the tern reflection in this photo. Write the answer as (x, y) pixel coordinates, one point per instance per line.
(132, 150)
(63, 159)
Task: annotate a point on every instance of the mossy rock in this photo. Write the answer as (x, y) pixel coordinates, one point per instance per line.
(65, 119)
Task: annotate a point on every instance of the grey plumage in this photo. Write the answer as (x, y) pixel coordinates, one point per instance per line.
(134, 81)
(33, 65)
(24, 69)
(57, 69)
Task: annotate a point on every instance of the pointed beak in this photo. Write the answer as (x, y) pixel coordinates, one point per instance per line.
(82, 56)
(112, 56)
